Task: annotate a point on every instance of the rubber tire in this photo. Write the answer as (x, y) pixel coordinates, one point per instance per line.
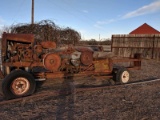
(6, 84)
(117, 75)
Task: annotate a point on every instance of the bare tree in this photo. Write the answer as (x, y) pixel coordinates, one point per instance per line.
(48, 30)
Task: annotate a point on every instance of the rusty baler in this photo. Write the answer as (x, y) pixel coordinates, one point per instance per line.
(25, 61)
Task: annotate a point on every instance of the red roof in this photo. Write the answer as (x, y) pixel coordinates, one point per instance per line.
(145, 29)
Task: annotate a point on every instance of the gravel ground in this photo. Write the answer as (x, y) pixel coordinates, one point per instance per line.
(134, 102)
(150, 69)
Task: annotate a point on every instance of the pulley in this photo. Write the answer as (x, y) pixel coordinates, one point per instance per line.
(52, 61)
(86, 58)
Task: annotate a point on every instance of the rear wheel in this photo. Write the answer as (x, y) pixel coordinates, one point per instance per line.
(17, 84)
(121, 75)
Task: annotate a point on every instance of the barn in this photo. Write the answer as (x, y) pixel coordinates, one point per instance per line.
(144, 40)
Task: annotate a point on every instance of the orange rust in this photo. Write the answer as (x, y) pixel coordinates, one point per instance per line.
(48, 44)
(19, 52)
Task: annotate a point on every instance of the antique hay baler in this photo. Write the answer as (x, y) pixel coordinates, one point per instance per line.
(25, 61)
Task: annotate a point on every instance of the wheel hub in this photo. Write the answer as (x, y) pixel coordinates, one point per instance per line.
(20, 86)
(125, 77)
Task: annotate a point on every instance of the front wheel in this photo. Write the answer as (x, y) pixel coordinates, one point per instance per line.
(121, 75)
(17, 84)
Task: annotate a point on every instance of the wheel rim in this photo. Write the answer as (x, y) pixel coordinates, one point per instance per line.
(20, 86)
(125, 77)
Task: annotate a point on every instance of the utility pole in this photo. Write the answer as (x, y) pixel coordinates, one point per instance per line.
(32, 17)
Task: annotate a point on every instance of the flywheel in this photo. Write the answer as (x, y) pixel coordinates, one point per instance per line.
(52, 62)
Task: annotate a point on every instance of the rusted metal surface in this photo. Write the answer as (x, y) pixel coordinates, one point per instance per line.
(125, 60)
(20, 86)
(11, 46)
(52, 62)
(27, 62)
(102, 65)
(19, 52)
(23, 64)
(48, 44)
(28, 38)
(87, 58)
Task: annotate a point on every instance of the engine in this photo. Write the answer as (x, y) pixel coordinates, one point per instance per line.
(68, 59)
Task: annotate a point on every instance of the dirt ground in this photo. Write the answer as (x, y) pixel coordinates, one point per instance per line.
(127, 102)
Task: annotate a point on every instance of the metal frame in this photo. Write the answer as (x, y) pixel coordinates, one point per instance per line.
(99, 66)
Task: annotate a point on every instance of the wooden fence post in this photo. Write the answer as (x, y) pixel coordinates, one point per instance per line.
(153, 46)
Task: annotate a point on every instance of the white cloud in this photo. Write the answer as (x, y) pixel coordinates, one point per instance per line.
(85, 11)
(99, 24)
(105, 22)
(147, 9)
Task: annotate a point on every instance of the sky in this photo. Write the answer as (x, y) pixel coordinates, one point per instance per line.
(93, 19)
